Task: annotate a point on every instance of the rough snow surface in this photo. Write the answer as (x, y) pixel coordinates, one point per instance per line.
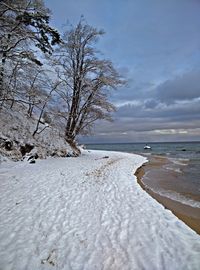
(88, 213)
(18, 128)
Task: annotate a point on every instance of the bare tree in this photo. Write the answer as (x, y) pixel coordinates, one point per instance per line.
(52, 86)
(24, 25)
(86, 80)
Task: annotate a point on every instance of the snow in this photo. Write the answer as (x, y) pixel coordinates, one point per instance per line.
(88, 213)
(17, 127)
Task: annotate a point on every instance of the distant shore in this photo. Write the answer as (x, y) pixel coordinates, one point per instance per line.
(154, 169)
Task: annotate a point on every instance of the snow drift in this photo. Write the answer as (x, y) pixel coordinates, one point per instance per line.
(88, 213)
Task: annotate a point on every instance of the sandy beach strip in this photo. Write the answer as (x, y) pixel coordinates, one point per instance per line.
(156, 171)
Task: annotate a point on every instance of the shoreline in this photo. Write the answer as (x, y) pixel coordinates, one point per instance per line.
(188, 214)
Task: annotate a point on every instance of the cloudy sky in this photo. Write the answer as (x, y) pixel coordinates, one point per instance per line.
(155, 44)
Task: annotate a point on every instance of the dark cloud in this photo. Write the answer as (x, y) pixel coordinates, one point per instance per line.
(184, 87)
(151, 123)
(173, 111)
(151, 103)
(132, 91)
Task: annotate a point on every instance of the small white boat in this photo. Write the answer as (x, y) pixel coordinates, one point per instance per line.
(147, 147)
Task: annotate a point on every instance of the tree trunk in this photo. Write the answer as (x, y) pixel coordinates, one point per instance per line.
(73, 145)
(2, 75)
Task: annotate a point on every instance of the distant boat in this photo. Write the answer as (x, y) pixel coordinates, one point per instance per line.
(147, 147)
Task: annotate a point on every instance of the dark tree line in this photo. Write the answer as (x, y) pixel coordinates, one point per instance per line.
(61, 79)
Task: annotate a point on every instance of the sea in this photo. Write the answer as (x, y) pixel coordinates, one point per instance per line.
(183, 183)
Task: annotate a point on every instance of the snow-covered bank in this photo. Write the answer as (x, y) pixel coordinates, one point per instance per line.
(16, 136)
(88, 213)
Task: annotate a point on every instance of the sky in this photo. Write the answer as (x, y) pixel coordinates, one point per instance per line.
(155, 45)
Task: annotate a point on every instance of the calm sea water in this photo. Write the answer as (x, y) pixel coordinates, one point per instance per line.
(174, 149)
(185, 157)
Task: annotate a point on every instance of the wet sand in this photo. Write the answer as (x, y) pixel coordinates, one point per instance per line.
(155, 171)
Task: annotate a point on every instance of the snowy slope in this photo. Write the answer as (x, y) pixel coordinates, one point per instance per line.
(88, 213)
(17, 127)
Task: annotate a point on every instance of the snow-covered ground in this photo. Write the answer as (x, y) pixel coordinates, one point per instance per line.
(17, 128)
(88, 213)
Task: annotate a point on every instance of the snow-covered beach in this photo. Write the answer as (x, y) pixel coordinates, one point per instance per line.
(88, 213)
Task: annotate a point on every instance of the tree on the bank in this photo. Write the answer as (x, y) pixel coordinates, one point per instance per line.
(86, 80)
(24, 28)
